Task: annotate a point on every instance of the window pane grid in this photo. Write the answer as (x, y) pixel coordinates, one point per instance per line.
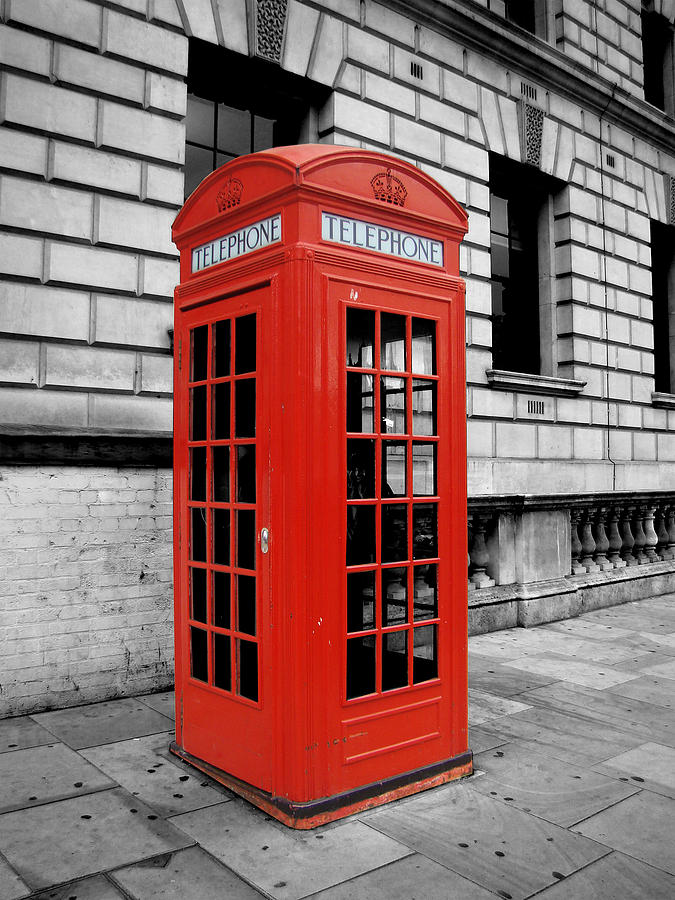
(396, 647)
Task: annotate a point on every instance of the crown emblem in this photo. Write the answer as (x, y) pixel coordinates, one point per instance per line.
(230, 195)
(389, 188)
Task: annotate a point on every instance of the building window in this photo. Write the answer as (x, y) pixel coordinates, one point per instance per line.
(528, 14)
(657, 55)
(663, 296)
(520, 248)
(238, 105)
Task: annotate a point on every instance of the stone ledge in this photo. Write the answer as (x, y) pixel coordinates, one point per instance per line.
(663, 400)
(502, 380)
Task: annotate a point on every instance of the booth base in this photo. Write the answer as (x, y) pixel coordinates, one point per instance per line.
(328, 809)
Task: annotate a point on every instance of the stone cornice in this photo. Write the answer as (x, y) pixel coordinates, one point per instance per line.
(533, 384)
(545, 64)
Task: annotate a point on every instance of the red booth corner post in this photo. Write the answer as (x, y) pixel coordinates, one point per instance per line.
(320, 482)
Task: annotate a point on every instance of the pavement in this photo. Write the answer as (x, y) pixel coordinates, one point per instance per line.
(573, 734)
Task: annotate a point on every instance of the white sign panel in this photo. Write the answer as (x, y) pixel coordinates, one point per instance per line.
(237, 243)
(354, 233)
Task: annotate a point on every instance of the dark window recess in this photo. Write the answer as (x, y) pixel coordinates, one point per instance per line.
(248, 669)
(221, 661)
(657, 57)
(663, 294)
(199, 665)
(517, 195)
(251, 105)
(522, 13)
(360, 666)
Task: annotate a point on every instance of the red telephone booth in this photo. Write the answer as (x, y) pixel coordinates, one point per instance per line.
(320, 482)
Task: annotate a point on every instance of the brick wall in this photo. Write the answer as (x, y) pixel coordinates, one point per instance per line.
(85, 585)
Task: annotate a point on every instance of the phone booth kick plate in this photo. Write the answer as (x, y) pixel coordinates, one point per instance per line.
(320, 482)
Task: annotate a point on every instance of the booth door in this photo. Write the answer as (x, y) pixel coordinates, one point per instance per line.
(222, 494)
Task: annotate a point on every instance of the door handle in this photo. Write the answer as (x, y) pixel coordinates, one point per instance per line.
(264, 540)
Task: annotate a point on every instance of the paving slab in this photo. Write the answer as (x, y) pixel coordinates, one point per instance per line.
(546, 787)
(483, 707)
(504, 682)
(480, 740)
(588, 674)
(44, 774)
(285, 863)
(11, 886)
(612, 877)
(651, 766)
(658, 691)
(409, 878)
(634, 619)
(641, 827)
(21, 733)
(583, 627)
(96, 888)
(145, 768)
(164, 702)
(662, 670)
(487, 841)
(183, 875)
(61, 841)
(102, 723)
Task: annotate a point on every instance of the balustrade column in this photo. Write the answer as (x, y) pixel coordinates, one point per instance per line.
(615, 542)
(588, 542)
(601, 542)
(575, 543)
(479, 553)
(627, 536)
(469, 522)
(662, 532)
(640, 536)
(671, 531)
(651, 539)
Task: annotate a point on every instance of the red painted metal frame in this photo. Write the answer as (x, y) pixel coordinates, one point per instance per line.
(303, 746)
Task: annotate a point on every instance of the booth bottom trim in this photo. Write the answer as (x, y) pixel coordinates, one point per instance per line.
(327, 809)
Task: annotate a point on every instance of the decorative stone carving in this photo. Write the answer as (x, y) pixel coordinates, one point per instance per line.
(615, 542)
(651, 539)
(532, 130)
(601, 542)
(230, 195)
(270, 23)
(627, 535)
(588, 542)
(670, 198)
(640, 537)
(388, 188)
(479, 554)
(575, 543)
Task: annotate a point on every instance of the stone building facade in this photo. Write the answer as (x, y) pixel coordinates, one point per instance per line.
(551, 121)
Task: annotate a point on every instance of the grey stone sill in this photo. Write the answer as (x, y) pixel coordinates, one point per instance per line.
(666, 401)
(533, 384)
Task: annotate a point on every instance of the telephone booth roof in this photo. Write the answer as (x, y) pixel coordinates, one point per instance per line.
(377, 185)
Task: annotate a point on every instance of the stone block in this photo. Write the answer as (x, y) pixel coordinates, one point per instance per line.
(19, 362)
(542, 545)
(417, 140)
(76, 20)
(389, 94)
(620, 445)
(407, 68)
(492, 404)
(441, 49)
(91, 267)
(385, 21)
(329, 51)
(138, 413)
(353, 115)
(199, 20)
(515, 440)
(495, 617)
(94, 168)
(486, 71)
(481, 332)
(589, 443)
(367, 49)
(644, 445)
(131, 38)
(162, 184)
(131, 322)
(629, 359)
(478, 297)
(158, 277)
(98, 73)
(140, 132)
(23, 152)
(442, 115)
(43, 207)
(89, 368)
(462, 157)
(156, 374)
(642, 388)
(233, 24)
(477, 361)
(39, 311)
(350, 9)
(123, 223)
(23, 407)
(22, 50)
(47, 108)
(479, 438)
(573, 409)
(454, 184)
(619, 385)
(655, 418)
(301, 24)
(642, 334)
(21, 255)
(666, 447)
(165, 94)
(564, 604)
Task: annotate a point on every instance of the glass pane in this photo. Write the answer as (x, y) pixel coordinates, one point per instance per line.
(244, 399)
(499, 215)
(424, 346)
(263, 135)
(394, 532)
(244, 345)
(425, 531)
(394, 596)
(425, 653)
(360, 666)
(246, 473)
(198, 473)
(199, 665)
(222, 661)
(394, 660)
(424, 407)
(360, 469)
(392, 399)
(248, 669)
(200, 343)
(198, 417)
(393, 469)
(221, 599)
(198, 164)
(198, 542)
(499, 256)
(360, 401)
(198, 594)
(360, 601)
(221, 474)
(221, 411)
(425, 602)
(246, 604)
(424, 470)
(360, 337)
(199, 121)
(234, 130)
(221, 349)
(360, 535)
(221, 537)
(246, 542)
(392, 342)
